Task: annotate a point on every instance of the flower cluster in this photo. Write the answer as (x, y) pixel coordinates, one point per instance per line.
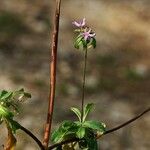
(86, 37)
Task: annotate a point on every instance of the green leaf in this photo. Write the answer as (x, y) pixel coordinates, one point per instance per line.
(88, 144)
(93, 43)
(87, 110)
(92, 144)
(78, 45)
(14, 125)
(4, 95)
(90, 140)
(78, 42)
(66, 130)
(84, 43)
(4, 112)
(56, 135)
(95, 125)
(78, 123)
(3, 92)
(78, 39)
(77, 112)
(68, 124)
(81, 132)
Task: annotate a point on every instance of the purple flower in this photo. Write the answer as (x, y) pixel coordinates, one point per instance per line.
(88, 35)
(80, 23)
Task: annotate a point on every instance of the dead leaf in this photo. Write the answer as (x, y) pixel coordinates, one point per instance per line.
(11, 140)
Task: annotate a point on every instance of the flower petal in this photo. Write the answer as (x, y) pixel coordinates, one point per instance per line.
(92, 35)
(76, 24)
(79, 23)
(83, 22)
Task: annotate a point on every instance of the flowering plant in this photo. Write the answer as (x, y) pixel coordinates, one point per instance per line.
(86, 37)
(85, 131)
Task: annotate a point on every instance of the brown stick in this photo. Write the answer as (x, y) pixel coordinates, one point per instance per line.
(52, 75)
(107, 132)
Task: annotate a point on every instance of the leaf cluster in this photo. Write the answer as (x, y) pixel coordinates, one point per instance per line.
(80, 42)
(9, 106)
(82, 129)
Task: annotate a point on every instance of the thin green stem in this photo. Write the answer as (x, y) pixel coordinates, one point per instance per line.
(83, 83)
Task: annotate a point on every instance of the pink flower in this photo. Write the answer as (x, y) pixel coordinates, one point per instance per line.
(80, 23)
(88, 35)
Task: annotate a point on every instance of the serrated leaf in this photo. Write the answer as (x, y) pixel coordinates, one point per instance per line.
(87, 109)
(77, 112)
(81, 132)
(95, 125)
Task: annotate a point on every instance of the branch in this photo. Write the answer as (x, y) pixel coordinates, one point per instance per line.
(107, 132)
(52, 75)
(128, 122)
(32, 136)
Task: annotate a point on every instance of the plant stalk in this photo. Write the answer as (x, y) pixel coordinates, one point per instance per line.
(52, 75)
(83, 83)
